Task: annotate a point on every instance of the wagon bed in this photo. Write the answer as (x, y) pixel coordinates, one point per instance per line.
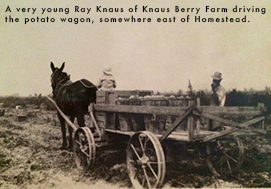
(107, 107)
(153, 125)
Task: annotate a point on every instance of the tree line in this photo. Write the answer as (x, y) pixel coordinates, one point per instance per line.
(233, 98)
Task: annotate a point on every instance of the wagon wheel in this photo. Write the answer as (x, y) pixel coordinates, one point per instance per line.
(145, 160)
(84, 148)
(225, 156)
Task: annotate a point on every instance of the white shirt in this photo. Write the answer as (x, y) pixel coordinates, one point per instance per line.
(107, 83)
(221, 93)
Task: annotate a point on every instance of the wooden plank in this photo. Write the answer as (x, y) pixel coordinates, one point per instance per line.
(176, 110)
(101, 124)
(101, 114)
(183, 138)
(255, 120)
(95, 123)
(236, 113)
(110, 117)
(100, 118)
(178, 121)
(163, 110)
(219, 134)
(126, 94)
(100, 97)
(100, 100)
(251, 132)
(230, 108)
(100, 93)
(180, 132)
(241, 110)
(227, 122)
(129, 133)
(111, 98)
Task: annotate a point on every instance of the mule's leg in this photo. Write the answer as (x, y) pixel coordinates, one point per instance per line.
(63, 130)
(81, 120)
(70, 145)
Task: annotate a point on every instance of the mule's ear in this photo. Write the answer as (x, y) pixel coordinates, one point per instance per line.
(53, 66)
(62, 66)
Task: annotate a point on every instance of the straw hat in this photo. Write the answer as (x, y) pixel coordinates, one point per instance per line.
(217, 76)
(107, 71)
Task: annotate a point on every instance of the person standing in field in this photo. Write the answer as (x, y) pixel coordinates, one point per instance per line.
(218, 93)
(107, 81)
(218, 98)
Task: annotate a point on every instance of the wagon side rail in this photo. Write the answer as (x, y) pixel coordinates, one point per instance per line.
(234, 110)
(213, 113)
(192, 114)
(183, 113)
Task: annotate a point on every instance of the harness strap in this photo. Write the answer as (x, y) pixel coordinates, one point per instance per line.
(86, 85)
(68, 82)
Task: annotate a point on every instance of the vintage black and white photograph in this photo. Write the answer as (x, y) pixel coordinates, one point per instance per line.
(135, 94)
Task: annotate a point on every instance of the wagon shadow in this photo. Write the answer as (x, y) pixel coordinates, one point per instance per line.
(189, 173)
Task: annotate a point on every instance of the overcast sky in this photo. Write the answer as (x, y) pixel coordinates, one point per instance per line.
(153, 56)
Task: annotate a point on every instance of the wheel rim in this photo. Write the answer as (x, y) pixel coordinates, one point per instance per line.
(84, 148)
(225, 156)
(145, 161)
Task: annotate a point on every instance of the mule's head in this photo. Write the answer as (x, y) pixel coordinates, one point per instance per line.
(58, 75)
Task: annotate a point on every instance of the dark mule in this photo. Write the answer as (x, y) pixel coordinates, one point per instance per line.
(72, 98)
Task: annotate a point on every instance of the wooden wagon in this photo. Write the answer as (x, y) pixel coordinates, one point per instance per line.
(156, 127)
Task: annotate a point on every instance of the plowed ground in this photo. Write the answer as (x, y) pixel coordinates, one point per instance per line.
(29, 158)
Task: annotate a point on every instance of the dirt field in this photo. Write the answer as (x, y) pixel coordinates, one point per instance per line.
(29, 158)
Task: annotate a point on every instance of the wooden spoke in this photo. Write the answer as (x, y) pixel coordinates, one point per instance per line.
(135, 151)
(229, 166)
(84, 152)
(142, 147)
(228, 156)
(78, 143)
(147, 177)
(153, 172)
(145, 160)
(143, 181)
